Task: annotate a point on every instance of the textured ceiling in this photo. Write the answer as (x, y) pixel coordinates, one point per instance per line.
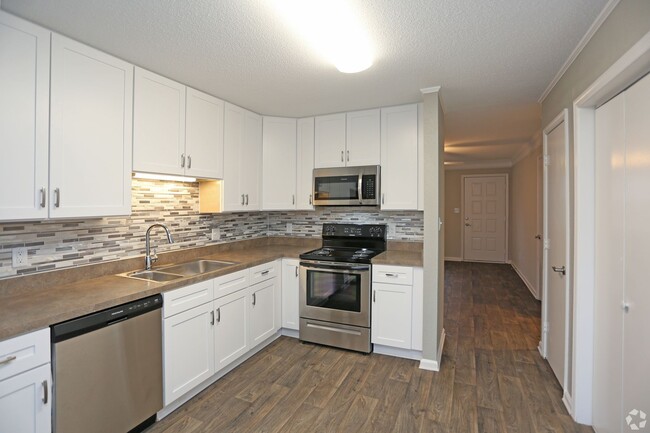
(493, 58)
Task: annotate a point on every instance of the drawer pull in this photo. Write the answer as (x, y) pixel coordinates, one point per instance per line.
(46, 392)
(265, 272)
(391, 275)
(7, 360)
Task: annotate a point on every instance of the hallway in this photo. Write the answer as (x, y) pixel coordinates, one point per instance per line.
(492, 378)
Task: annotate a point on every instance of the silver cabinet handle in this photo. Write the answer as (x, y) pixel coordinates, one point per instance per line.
(265, 272)
(182, 160)
(7, 360)
(254, 299)
(189, 161)
(43, 196)
(391, 275)
(219, 315)
(559, 269)
(57, 197)
(341, 156)
(242, 199)
(212, 317)
(310, 199)
(293, 199)
(374, 296)
(348, 155)
(46, 392)
(296, 271)
(246, 199)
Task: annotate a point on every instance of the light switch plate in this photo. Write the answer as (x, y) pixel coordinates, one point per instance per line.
(216, 234)
(19, 257)
(391, 230)
(289, 227)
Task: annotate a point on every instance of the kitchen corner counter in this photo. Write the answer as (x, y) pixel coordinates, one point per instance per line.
(40, 307)
(399, 258)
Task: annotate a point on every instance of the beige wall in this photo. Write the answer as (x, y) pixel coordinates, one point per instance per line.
(524, 215)
(627, 23)
(453, 221)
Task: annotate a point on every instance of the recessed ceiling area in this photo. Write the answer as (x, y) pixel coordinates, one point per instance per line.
(492, 59)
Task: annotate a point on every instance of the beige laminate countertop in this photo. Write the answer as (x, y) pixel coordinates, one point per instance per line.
(399, 258)
(22, 313)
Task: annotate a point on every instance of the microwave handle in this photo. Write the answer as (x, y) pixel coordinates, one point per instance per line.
(360, 188)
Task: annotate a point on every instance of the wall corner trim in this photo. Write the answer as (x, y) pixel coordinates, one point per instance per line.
(434, 364)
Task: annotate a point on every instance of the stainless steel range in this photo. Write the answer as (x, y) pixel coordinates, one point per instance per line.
(335, 286)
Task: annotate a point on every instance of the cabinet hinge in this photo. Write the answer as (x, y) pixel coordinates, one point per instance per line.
(547, 244)
(547, 160)
(545, 328)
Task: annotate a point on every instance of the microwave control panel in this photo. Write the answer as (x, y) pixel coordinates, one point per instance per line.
(368, 186)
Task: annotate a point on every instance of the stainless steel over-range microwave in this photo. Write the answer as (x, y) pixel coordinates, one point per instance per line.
(347, 186)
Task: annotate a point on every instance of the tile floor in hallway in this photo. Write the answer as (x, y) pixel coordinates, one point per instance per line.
(492, 377)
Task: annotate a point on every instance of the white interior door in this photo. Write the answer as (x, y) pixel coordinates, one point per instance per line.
(485, 213)
(540, 223)
(555, 266)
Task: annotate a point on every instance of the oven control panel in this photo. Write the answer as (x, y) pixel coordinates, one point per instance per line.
(377, 231)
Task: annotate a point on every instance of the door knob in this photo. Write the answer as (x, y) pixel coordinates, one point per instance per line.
(538, 236)
(468, 225)
(559, 269)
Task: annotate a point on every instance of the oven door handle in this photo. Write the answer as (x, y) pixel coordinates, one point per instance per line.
(333, 267)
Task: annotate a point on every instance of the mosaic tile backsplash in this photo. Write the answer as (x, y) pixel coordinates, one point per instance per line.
(60, 244)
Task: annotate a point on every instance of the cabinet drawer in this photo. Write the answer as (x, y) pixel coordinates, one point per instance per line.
(392, 274)
(183, 299)
(23, 353)
(263, 272)
(230, 283)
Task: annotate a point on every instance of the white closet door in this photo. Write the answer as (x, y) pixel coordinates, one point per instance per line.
(610, 265)
(636, 342)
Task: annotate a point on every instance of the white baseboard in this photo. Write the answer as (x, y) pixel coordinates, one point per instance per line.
(293, 333)
(540, 349)
(528, 284)
(221, 373)
(568, 403)
(434, 364)
(396, 352)
(453, 259)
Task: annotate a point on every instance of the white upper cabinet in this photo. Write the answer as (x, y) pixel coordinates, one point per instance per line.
(24, 118)
(329, 141)
(279, 163)
(159, 124)
(305, 160)
(90, 131)
(362, 139)
(242, 159)
(399, 158)
(203, 135)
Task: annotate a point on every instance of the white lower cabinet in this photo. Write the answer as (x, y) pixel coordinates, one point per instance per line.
(231, 328)
(188, 350)
(290, 293)
(235, 317)
(397, 307)
(26, 384)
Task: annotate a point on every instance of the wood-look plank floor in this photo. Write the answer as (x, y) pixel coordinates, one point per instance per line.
(492, 377)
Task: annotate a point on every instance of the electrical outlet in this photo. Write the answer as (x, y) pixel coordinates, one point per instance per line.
(216, 234)
(391, 230)
(19, 257)
(289, 227)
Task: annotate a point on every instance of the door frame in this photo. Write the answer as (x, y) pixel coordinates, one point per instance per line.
(631, 66)
(563, 117)
(540, 224)
(462, 212)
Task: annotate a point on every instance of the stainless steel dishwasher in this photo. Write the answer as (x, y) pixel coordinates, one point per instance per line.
(108, 369)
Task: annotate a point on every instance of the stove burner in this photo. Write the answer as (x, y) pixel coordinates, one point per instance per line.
(324, 252)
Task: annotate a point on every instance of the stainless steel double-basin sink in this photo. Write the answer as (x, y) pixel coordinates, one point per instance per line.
(174, 272)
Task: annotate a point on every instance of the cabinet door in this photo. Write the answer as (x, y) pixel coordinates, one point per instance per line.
(188, 350)
(399, 158)
(305, 160)
(233, 142)
(279, 163)
(250, 165)
(231, 328)
(204, 135)
(362, 138)
(391, 315)
(262, 311)
(290, 294)
(329, 141)
(91, 131)
(26, 402)
(159, 124)
(24, 117)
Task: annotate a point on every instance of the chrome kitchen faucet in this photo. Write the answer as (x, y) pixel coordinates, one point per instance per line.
(148, 258)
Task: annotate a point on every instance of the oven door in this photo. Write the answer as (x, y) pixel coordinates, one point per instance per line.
(335, 292)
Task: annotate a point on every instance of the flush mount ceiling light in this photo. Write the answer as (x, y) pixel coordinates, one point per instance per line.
(332, 28)
(163, 177)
